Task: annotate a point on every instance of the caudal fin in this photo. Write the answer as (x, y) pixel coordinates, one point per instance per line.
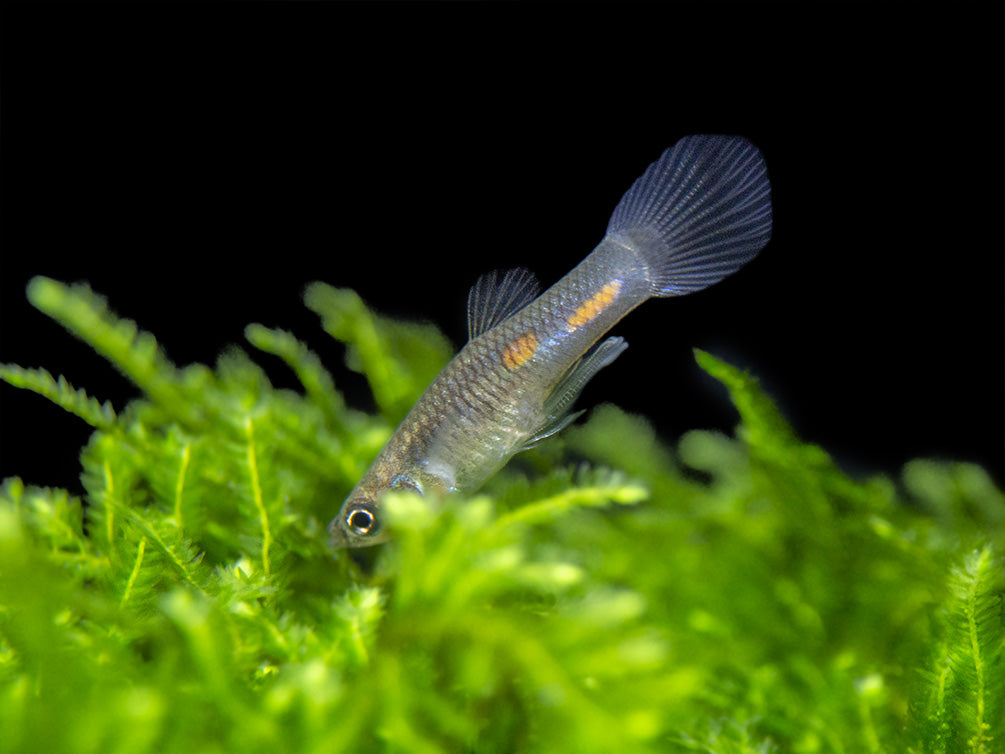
(698, 213)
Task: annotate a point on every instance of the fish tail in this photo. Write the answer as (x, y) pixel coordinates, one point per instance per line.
(697, 214)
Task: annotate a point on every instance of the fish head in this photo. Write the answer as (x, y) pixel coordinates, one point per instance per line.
(358, 523)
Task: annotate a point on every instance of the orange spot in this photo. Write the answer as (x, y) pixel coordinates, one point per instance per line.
(590, 308)
(520, 350)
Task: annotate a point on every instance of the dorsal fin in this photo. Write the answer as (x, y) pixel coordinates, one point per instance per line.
(496, 296)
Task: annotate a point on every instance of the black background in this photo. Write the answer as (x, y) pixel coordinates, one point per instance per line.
(199, 164)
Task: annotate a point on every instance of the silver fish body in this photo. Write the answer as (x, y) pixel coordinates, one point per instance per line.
(695, 216)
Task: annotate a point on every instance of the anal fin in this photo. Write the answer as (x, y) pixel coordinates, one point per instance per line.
(565, 392)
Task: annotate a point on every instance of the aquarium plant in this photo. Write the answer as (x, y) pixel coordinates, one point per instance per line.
(604, 593)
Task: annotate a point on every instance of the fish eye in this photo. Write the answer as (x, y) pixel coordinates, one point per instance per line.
(361, 521)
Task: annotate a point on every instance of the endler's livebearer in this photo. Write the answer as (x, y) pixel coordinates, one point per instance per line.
(695, 216)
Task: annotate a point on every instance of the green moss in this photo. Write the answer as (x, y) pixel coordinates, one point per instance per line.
(190, 603)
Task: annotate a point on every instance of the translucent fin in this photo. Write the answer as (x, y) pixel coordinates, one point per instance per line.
(558, 403)
(553, 427)
(698, 213)
(492, 300)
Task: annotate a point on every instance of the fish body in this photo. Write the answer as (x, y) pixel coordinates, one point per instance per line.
(695, 216)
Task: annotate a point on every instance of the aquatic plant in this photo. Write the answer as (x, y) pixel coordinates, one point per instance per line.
(603, 593)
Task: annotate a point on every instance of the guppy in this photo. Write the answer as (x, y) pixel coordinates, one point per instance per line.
(695, 216)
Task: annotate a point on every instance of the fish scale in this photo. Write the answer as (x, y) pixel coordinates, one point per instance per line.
(695, 216)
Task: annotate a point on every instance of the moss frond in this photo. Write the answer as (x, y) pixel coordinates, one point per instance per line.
(605, 593)
(317, 381)
(62, 393)
(591, 488)
(399, 359)
(962, 693)
(133, 352)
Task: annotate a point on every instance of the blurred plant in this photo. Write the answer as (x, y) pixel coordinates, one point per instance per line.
(737, 595)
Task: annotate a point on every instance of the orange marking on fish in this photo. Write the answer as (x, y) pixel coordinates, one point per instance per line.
(590, 308)
(520, 350)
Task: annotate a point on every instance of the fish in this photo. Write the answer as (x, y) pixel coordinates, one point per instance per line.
(695, 216)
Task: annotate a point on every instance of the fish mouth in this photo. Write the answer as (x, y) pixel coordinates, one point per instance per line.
(336, 537)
